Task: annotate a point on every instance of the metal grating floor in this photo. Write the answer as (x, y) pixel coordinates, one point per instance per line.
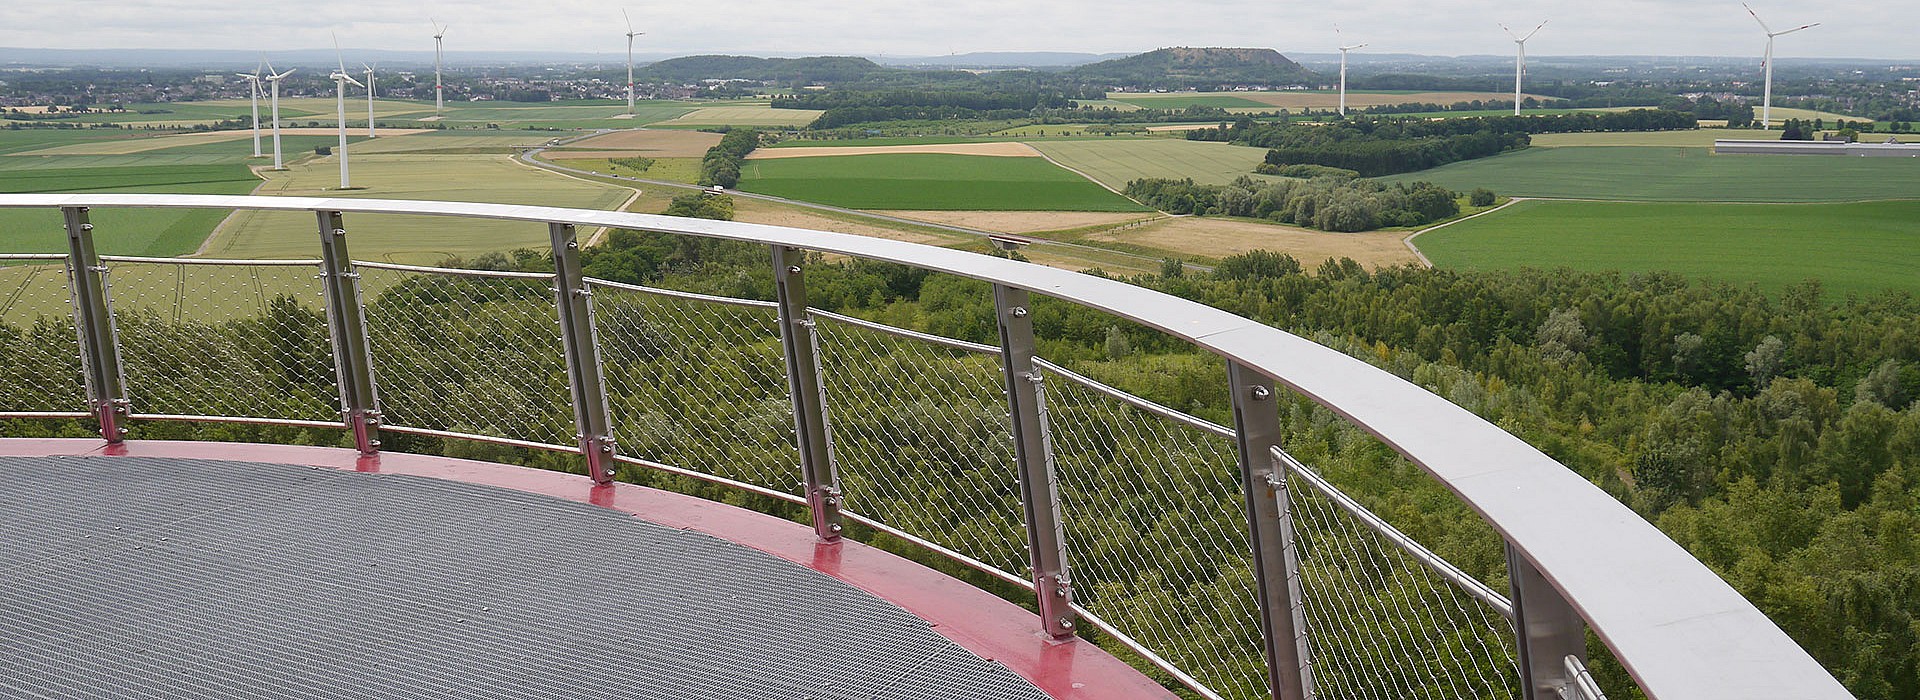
(133, 577)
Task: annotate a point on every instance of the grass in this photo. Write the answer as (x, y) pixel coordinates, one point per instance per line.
(1697, 138)
(1115, 162)
(405, 239)
(685, 170)
(931, 182)
(1188, 100)
(1680, 174)
(1850, 247)
(744, 115)
(154, 232)
(461, 141)
(31, 139)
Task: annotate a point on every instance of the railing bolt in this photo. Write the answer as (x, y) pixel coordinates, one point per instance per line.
(1018, 312)
(86, 227)
(1261, 393)
(339, 232)
(836, 527)
(793, 269)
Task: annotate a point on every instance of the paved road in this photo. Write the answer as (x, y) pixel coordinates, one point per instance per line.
(1071, 249)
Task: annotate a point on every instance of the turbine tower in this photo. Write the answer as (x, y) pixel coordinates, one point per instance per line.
(1520, 63)
(340, 80)
(630, 35)
(439, 94)
(253, 83)
(1766, 100)
(1343, 70)
(370, 69)
(273, 79)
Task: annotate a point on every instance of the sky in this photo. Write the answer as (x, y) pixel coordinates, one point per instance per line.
(1882, 29)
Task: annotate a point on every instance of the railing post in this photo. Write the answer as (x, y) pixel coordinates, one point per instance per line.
(1547, 630)
(1039, 491)
(822, 481)
(585, 377)
(1276, 564)
(93, 319)
(347, 329)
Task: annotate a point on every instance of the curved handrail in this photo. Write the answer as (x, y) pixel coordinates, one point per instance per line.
(1679, 629)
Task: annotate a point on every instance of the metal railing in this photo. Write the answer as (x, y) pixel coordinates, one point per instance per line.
(1206, 551)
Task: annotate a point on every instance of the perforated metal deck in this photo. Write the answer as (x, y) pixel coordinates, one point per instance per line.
(141, 578)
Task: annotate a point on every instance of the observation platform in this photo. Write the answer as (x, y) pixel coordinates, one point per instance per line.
(215, 570)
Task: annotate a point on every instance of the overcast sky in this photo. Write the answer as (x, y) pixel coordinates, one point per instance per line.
(1875, 29)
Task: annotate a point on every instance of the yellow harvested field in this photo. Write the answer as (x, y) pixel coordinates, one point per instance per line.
(652, 143)
(745, 115)
(1001, 148)
(122, 147)
(1218, 238)
(1021, 221)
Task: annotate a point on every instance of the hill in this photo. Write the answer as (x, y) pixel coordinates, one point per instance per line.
(820, 69)
(1182, 68)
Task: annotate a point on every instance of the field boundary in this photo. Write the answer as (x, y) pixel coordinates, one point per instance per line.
(1422, 257)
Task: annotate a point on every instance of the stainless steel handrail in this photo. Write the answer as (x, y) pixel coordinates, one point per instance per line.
(1678, 629)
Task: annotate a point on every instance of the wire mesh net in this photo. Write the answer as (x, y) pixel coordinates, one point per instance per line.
(921, 436)
(39, 350)
(697, 384)
(1384, 625)
(1156, 532)
(467, 353)
(223, 339)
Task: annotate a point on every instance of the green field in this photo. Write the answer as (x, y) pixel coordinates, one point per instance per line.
(1190, 100)
(1117, 161)
(1850, 247)
(411, 239)
(930, 182)
(685, 170)
(1680, 174)
(154, 232)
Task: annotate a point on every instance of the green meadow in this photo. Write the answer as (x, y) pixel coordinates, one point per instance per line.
(930, 182)
(1674, 174)
(1862, 248)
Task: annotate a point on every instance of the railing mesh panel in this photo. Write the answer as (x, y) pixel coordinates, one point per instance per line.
(469, 354)
(1382, 625)
(224, 340)
(39, 350)
(1156, 534)
(921, 435)
(699, 385)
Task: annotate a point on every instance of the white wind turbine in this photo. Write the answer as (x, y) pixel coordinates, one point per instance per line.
(273, 79)
(1520, 63)
(630, 35)
(439, 96)
(370, 69)
(1766, 100)
(340, 80)
(253, 83)
(1343, 69)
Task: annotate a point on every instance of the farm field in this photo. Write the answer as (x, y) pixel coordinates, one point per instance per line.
(1299, 99)
(1695, 138)
(152, 232)
(461, 141)
(652, 143)
(930, 181)
(414, 240)
(1851, 247)
(743, 115)
(685, 170)
(1114, 163)
(1003, 149)
(1023, 221)
(1211, 239)
(1674, 174)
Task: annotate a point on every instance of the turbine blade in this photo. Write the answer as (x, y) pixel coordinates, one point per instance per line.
(1509, 31)
(1796, 29)
(1756, 18)
(623, 15)
(1536, 30)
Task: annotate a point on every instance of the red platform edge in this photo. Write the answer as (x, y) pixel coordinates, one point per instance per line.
(980, 622)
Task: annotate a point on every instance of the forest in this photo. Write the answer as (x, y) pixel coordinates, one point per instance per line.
(1374, 146)
(1336, 203)
(1777, 437)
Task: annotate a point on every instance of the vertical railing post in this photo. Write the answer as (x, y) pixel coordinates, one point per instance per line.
(585, 377)
(821, 480)
(1276, 564)
(93, 320)
(347, 329)
(1546, 629)
(1039, 491)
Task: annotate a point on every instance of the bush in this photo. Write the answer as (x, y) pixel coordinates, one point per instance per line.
(1327, 203)
(1482, 197)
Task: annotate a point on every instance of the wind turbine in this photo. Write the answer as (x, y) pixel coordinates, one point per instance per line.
(253, 82)
(1520, 63)
(370, 69)
(1343, 70)
(273, 79)
(340, 80)
(630, 35)
(439, 96)
(1766, 101)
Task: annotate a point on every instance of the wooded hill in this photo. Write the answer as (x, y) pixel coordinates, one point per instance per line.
(1184, 68)
(813, 69)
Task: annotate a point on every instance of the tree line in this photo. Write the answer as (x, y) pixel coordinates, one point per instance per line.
(721, 165)
(1325, 203)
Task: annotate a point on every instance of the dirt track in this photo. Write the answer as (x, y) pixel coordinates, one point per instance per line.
(1217, 238)
(1021, 221)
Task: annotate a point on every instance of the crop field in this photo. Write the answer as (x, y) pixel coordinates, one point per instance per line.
(1696, 138)
(1210, 239)
(21, 140)
(1299, 99)
(461, 141)
(413, 240)
(685, 170)
(652, 143)
(1116, 162)
(1185, 100)
(157, 232)
(743, 115)
(931, 181)
(1851, 247)
(1677, 174)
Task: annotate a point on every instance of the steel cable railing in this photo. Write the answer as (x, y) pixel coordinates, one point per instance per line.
(1204, 550)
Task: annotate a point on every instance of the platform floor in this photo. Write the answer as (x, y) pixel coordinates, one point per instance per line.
(132, 577)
